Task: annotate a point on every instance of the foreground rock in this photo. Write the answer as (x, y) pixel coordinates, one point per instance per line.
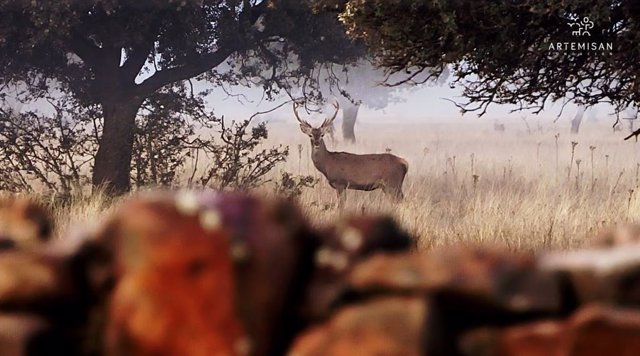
(190, 274)
(593, 330)
(386, 326)
(232, 270)
(24, 223)
(610, 275)
(458, 290)
(340, 249)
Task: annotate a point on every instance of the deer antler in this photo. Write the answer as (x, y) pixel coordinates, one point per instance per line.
(329, 121)
(295, 112)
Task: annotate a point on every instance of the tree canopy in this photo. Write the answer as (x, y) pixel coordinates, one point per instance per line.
(114, 54)
(511, 52)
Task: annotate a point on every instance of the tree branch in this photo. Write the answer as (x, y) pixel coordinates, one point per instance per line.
(140, 53)
(633, 134)
(88, 52)
(198, 65)
(136, 60)
(194, 68)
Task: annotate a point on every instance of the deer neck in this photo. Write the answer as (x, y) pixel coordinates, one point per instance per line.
(319, 155)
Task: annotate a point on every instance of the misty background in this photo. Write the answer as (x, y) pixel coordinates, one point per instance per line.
(424, 103)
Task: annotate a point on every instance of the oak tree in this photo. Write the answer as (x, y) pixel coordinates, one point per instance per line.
(117, 53)
(522, 52)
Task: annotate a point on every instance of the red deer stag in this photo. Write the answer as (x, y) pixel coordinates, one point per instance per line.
(353, 171)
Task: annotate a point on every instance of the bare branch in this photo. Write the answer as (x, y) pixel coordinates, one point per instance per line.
(195, 67)
(270, 110)
(633, 134)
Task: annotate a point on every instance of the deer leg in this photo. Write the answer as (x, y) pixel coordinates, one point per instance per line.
(395, 193)
(342, 197)
(393, 188)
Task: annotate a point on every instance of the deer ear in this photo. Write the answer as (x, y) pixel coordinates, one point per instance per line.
(306, 129)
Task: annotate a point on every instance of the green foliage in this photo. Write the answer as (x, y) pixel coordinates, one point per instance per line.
(499, 50)
(81, 43)
(117, 54)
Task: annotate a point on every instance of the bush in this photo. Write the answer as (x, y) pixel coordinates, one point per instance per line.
(47, 152)
(177, 142)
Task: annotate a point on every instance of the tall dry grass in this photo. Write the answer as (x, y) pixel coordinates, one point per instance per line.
(536, 188)
(525, 189)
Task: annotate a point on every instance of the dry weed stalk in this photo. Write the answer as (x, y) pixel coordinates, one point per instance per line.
(606, 164)
(615, 186)
(578, 161)
(629, 202)
(592, 149)
(573, 152)
(557, 136)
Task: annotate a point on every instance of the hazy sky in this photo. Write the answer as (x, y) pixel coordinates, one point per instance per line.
(423, 104)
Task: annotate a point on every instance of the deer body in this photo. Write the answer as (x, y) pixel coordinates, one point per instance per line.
(355, 171)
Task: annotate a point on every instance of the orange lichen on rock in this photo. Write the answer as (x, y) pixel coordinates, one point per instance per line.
(489, 277)
(390, 326)
(175, 293)
(272, 249)
(593, 330)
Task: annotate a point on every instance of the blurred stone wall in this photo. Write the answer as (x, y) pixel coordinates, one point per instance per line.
(203, 273)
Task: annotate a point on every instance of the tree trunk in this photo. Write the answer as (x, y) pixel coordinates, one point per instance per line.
(577, 120)
(113, 160)
(349, 115)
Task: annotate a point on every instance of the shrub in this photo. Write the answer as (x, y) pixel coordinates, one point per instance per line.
(177, 141)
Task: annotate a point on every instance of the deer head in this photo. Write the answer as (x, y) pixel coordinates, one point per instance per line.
(316, 134)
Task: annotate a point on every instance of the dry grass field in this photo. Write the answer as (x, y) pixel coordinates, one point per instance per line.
(528, 191)
(521, 196)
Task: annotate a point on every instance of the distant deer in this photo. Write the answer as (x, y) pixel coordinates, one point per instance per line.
(353, 171)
